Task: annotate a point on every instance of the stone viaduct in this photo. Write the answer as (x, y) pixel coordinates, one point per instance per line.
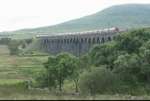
(76, 43)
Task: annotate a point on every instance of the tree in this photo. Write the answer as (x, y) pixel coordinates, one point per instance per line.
(145, 51)
(128, 67)
(98, 80)
(76, 72)
(131, 41)
(85, 62)
(62, 67)
(103, 54)
(51, 68)
(13, 47)
(28, 41)
(145, 57)
(67, 66)
(42, 79)
(5, 41)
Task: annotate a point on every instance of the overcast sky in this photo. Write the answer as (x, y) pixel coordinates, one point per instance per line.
(18, 14)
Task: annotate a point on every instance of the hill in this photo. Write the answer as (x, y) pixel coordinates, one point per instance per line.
(122, 16)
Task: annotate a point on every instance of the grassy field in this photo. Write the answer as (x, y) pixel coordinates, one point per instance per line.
(14, 70)
(16, 67)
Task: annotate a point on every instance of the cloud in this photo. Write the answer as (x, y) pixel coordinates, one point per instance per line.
(18, 14)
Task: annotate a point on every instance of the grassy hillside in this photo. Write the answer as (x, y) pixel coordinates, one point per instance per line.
(122, 16)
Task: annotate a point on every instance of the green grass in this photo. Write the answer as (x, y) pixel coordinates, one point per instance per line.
(19, 67)
(48, 96)
(15, 70)
(9, 81)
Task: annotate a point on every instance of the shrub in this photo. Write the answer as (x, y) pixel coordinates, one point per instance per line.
(103, 54)
(13, 47)
(128, 67)
(98, 80)
(42, 80)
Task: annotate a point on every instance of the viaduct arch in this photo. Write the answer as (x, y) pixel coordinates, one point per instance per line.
(76, 43)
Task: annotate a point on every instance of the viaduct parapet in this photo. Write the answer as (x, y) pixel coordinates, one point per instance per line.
(76, 43)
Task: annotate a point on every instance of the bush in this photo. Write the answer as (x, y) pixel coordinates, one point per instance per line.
(103, 54)
(13, 47)
(98, 80)
(5, 41)
(59, 68)
(41, 80)
(128, 66)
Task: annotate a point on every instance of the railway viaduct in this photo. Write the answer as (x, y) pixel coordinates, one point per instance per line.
(76, 43)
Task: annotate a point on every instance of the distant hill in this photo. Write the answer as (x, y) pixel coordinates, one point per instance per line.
(122, 16)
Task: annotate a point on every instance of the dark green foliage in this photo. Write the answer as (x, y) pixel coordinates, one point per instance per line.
(5, 41)
(98, 80)
(134, 62)
(63, 66)
(145, 56)
(14, 47)
(25, 42)
(42, 79)
(128, 57)
(131, 41)
(128, 67)
(104, 54)
(28, 41)
(85, 62)
(125, 43)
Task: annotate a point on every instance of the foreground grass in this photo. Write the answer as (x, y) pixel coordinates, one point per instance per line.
(49, 96)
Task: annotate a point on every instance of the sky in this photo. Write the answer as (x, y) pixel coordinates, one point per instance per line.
(20, 14)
